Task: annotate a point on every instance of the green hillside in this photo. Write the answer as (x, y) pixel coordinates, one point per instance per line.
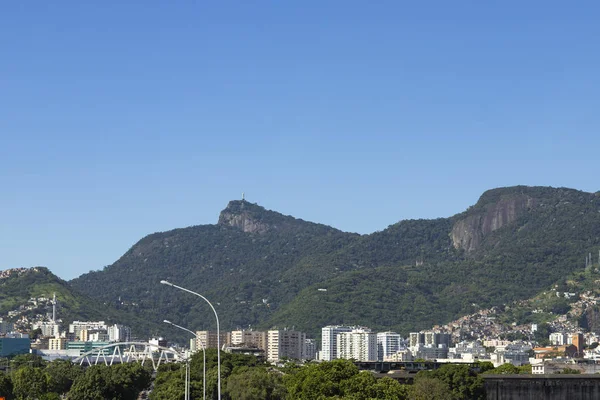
(261, 268)
(22, 284)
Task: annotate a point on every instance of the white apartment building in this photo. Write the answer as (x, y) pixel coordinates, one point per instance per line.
(119, 333)
(77, 326)
(250, 338)
(359, 344)
(329, 341)
(558, 338)
(388, 343)
(283, 343)
(400, 355)
(48, 328)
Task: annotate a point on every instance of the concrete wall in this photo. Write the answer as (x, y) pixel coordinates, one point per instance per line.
(547, 387)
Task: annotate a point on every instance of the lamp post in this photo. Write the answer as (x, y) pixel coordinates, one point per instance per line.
(218, 330)
(204, 361)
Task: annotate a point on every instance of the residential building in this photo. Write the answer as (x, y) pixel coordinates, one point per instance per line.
(388, 343)
(282, 343)
(77, 326)
(48, 328)
(558, 338)
(57, 344)
(329, 341)
(310, 349)
(208, 339)
(416, 338)
(250, 338)
(359, 344)
(430, 352)
(119, 333)
(434, 339)
(400, 356)
(6, 326)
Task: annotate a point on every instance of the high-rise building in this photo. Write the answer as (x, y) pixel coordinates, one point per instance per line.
(6, 326)
(388, 343)
(48, 328)
(250, 338)
(208, 339)
(282, 343)
(359, 344)
(434, 339)
(57, 344)
(558, 338)
(77, 326)
(416, 338)
(119, 333)
(310, 349)
(329, 341)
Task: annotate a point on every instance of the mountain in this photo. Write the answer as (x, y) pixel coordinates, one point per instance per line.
(19, 285)
(261, 268)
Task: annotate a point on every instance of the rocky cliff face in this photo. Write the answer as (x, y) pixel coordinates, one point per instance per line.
(244, 216)
(468, 233)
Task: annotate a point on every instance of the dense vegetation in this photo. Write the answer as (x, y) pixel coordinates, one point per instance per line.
(408, 276)
(32, 378)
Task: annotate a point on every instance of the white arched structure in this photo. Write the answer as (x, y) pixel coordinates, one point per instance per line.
(121, 352)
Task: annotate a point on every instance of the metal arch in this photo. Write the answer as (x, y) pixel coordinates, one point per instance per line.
(130, 354)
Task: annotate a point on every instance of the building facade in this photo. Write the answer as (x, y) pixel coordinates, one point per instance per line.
(358, 344)
(208, 339)
(329, 341)
(388, 343)
(282, 343)
(250, 338)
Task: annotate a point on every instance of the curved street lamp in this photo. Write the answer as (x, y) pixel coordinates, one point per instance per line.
(204, 360)
(218, 329)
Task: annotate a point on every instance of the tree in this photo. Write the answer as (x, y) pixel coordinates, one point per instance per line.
(389, 389)
(255, 384)
(322, 380)
(504, 369)
(6, 386)
(118, 382)
(29, 359)
(29, 383)
(426, 388)
(463, 382)
(61, 375)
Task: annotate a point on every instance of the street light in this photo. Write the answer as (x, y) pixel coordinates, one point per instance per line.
(218, 330)
(204, 361)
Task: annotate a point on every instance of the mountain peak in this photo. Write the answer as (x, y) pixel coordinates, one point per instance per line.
(250, 217)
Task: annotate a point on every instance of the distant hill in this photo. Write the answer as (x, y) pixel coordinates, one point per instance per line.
(262, 268)
(19, 285)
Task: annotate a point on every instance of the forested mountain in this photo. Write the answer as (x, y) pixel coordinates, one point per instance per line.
(19, 285)
(261, 268)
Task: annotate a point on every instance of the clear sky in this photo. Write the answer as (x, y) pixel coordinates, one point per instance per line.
(123, 118)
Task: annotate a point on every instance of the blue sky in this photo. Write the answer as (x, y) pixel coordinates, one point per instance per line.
(119, 119)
